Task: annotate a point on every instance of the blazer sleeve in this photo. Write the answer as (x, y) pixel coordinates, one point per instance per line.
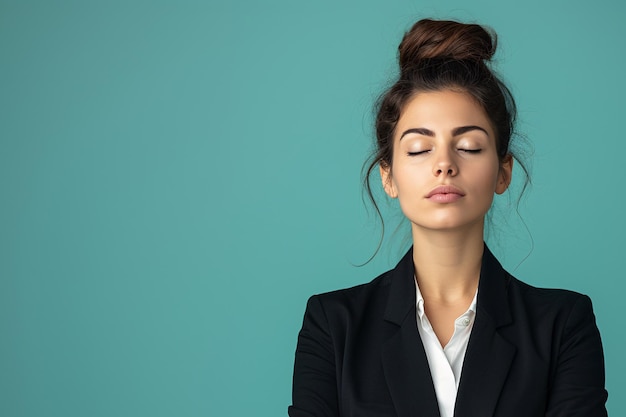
(314, 377)
(578, 385)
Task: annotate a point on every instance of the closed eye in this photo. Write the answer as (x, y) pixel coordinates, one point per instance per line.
(416, 153)
(470, 150)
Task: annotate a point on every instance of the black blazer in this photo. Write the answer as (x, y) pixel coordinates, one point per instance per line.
(532, 352)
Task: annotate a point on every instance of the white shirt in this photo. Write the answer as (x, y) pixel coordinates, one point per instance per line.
(445, 363)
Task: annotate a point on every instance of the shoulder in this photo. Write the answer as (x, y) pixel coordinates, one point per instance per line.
(361, 307)
(556, 331)
(545, 298)
(353, 299)
(559, 309)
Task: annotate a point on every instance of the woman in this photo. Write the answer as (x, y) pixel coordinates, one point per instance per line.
(447, 332)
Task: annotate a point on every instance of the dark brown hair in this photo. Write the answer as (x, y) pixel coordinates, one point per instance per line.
(437, 55)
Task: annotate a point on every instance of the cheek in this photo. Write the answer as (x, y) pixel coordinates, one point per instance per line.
(487, 177)
(409, 179)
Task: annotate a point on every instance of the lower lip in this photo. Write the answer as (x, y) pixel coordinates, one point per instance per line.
(445, 198)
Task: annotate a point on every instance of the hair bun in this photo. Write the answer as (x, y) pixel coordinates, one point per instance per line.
(430, 39)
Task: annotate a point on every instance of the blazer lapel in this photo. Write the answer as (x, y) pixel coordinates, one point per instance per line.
(488, 356)
(403, 357)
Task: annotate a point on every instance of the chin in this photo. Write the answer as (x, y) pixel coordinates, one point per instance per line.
(450, 224)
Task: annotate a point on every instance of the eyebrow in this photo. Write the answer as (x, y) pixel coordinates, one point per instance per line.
(455, 132)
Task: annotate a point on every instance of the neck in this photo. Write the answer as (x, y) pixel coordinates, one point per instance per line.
(447, 264)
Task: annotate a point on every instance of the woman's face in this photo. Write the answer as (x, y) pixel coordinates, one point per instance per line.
(445, 167)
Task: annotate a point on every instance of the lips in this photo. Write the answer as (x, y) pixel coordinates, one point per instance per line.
(445, 194)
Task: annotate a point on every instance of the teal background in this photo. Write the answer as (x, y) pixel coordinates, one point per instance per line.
(178, 177)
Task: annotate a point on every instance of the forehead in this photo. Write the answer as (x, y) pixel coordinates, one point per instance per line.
(443, 111)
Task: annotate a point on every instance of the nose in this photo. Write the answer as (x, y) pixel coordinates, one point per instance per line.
(444, 164)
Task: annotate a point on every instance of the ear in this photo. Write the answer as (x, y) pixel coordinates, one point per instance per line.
(504, 175)
(385, 176)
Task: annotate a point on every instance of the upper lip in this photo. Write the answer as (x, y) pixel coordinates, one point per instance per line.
(445, 189)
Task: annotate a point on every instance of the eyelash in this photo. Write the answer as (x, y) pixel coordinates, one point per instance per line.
(470, 151)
